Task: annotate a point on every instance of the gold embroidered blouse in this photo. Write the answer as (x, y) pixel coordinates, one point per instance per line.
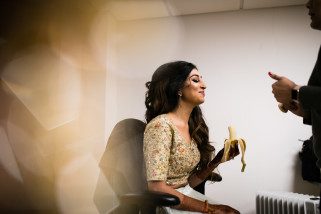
(168, 157)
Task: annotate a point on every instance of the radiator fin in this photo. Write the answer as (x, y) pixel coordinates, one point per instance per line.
(268, 202)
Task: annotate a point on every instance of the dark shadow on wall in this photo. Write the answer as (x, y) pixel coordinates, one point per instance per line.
(29, 167)
(13, 197)
(104, 197)
(21, 189)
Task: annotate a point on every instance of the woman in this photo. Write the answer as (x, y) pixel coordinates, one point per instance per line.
(176, 148)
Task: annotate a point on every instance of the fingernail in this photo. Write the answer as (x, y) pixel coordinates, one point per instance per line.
(270, 73)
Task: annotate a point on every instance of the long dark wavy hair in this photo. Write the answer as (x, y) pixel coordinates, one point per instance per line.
(162, 97)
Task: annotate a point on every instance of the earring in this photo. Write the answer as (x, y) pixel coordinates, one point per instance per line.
(180, 93)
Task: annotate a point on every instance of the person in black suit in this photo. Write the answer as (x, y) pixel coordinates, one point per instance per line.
(304, 100)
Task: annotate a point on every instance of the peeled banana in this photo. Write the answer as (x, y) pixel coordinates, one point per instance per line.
(233, 142)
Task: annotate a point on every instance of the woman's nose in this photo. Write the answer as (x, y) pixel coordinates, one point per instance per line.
(203, 86)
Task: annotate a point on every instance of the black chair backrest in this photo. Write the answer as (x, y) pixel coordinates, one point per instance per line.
(123, 162)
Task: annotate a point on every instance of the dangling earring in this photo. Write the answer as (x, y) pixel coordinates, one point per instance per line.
(180, 93)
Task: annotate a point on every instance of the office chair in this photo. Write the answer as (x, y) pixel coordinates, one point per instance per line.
(123, 166)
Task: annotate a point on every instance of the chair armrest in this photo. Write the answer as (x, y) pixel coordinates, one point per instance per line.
(150, 198)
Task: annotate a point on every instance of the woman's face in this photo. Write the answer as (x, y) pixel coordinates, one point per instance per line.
(194, 88)
(314, 7)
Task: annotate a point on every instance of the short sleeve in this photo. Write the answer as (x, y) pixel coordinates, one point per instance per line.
(157, 146)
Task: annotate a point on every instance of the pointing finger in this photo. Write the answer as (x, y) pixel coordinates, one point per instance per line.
(274, 76)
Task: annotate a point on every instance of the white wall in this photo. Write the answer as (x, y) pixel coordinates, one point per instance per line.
(234, 51)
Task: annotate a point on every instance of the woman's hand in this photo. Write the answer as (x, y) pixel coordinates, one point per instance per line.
(234, 151)
(221, 209)
(199, 176)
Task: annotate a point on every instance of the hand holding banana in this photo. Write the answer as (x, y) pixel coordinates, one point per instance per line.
(229, 151)
(233, 143)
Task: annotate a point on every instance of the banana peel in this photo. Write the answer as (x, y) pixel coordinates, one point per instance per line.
(233, 142)
(282, 108)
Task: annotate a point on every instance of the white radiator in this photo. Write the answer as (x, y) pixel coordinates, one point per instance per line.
(286, 203)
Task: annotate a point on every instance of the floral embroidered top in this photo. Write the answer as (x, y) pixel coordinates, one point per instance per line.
(168, 157)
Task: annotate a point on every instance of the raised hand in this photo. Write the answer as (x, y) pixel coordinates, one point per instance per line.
(282, 88)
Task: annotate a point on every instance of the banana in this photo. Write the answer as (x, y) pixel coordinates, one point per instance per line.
(233, 142)
(282, 108)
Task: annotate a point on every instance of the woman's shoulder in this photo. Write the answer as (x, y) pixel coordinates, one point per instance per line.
(159, 121)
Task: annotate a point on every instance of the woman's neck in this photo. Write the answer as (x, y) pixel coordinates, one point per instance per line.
(182, 113)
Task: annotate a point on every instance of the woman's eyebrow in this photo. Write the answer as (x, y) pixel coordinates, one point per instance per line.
(195, 75)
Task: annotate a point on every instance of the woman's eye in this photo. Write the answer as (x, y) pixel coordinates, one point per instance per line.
(195, 80)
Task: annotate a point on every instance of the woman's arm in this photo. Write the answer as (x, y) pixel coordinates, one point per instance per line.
(190, 204)
(187, 203)
(199, 176)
